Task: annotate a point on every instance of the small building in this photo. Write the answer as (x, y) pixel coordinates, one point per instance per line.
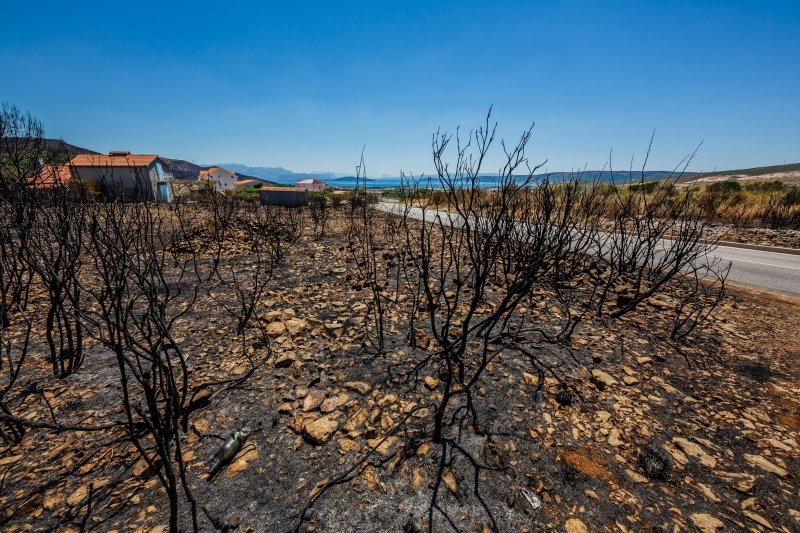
(222, 179)
(125, 175)
(51, 177)
(247, 184)
(313, 185)
(283, 196)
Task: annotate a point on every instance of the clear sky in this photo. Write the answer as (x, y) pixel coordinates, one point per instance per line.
(305, 84)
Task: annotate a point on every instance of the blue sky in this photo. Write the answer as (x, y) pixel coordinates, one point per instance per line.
(305, 84)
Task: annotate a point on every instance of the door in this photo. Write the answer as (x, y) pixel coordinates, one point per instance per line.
(163, 192)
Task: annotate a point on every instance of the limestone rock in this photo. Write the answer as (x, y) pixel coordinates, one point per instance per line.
(766, 465)
(333, 403)
(356, 421)
(285, 361)
(371, 479)
(276, 329)
(450, 481)
(348, 445)
(575, 525)
(707, 523)
(385, 447)
(320, 430)
(740, 481)
(296, 326)
(431, 382)
(603, 377)
(359, 387)
(416, 478)
(141, 468)
(695, 450)
(757, 518)
(313, 400)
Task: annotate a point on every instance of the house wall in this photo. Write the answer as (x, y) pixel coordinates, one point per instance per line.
(130, 181)
(223, 180)
(287, 198)
(314, 186)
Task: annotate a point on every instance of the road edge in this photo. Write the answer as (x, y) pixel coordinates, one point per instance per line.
(760, 247)
(729, 244)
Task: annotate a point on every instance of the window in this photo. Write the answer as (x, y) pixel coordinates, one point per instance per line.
(159, 171)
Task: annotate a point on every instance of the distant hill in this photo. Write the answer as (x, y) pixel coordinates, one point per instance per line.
(180, 169)
(279, 174)
(259, 172)
(184, 170)
(63, 147)
(789, 173)
(756, 171)
(617, 176)
(59, 145)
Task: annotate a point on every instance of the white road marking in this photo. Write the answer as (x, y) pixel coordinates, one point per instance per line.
(757, 263)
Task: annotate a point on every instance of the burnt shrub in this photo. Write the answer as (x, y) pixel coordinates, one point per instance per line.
(654, 462)
(564, 398)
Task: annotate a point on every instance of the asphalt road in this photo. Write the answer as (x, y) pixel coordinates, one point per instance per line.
(766, 270)
(769, 271)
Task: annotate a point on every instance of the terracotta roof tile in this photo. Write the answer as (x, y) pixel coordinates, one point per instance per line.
(211, 170)
(113, 159)
(51, 176)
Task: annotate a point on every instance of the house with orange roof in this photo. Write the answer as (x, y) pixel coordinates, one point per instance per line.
(248, 184)
(51, 176)
(125, 175)
(220, 178)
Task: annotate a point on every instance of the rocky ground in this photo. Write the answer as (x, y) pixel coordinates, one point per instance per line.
(784, 238)
(654, 438)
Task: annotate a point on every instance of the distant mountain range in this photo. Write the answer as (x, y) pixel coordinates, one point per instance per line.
(286, 176)
(182, 169)
(279, 174)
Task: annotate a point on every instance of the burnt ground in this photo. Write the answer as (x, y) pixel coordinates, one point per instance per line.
(652, 437)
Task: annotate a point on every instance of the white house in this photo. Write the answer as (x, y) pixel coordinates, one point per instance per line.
(312, 184)
(222, 178)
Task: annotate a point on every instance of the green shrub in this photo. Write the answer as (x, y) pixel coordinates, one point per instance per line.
(247, 195)
(792, 196)
(764, 187)
(724, 188)
(645, 187)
